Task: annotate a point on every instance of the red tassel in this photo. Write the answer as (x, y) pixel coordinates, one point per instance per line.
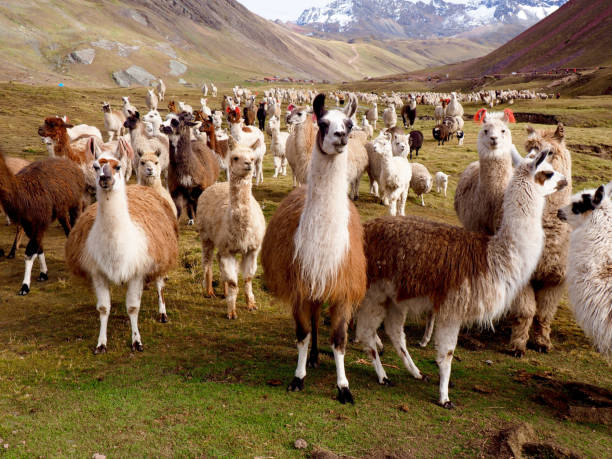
(480, 114)
(290, 107)
(227, 109)
(510, 115)
(238, 111)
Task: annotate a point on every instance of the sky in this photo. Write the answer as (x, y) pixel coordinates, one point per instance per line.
(286, 10)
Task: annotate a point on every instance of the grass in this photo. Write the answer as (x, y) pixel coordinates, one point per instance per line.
(208, 387)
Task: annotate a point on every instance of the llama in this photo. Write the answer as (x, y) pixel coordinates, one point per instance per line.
(251, 137)
(49, 189)
(409, 112)
(153, 122)
(151, 99)
(440, 111)
(172, 108)
(127, 109)
(589, 268)
(400, 144)
(421, 180)
(277, 146)
(441, 182)
(230, 219)
(372, 115)
(205, 108)
(149, 174)
(465, 277)
(415, 142)
(395, 176)
(365, 125)
(14, 165)
(113, 121)
(213, 89)
(129, 236)
(313, 248)
(375, 151)
(441, 133)
(219, 145)
(161, 89)
(390, 116)
(261, 115)
(183, 107)
(454, 108)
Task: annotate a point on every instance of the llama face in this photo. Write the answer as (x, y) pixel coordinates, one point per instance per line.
(541, 140)
(53, 127)
(152, 117)
(172, 107)
(334, 130)
(547, 179)
(400, 145)
(132, 121)
(297, 115)
(382, 145)
(273, 123)
(583, 204)
(149, 166)
(109, 175)
(494, 135)
(106, 108)
(241, 162)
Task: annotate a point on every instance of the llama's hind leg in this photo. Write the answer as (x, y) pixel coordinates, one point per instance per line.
(547, 302)
(523, 309)
(303, 324)
(31, 253)
(277, 166)
(103, 305)
(162, 315)
(44, 272)
(394, 327)
(132, 304)
(446, 334)
(431, 321)
(248, 267)
(207, 262)
(340, 315)
(16, 242)
(229, 274)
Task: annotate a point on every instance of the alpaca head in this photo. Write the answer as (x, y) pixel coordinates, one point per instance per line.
(109, 173)
(334, 126)
(583, 204)
(53, 128)
(151, 93)
(274, 123)
(545, 139)
(172, 107)
(132, 121)
(401, 144)
(494, 137)
(233, 115)
(207, 125)
(149, 167)
(183, 123)
(297, 114)
(382, 145)
(547, 180)
(106, 108)
(217, 119)
(126, 100)
(152, 117)
(242, 159)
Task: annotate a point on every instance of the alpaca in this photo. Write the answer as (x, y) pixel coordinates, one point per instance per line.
(415, 142)
(441, 182)
(161, 89)
(400, 144)
(375, 151)
(300, 143)
(127, 109)
(113, 121)
(205, 108)
(213, 89)
(151, 99)
(441, 133)
(204, 89)
(372, 115)
(49, 189)
(249, 136)
(172, 108)
(183, 107)
(365, 125)
(149, 174)
(261, 115)
(390, 116)
(421, 180)
(14, 165)
(153, 122)
(395, 176)
(465, 277)
(454, 108)
(440, 111)
(219, 145)
(230, 219)
(129, 236)
(313, 248)
(409, 111)
(277, 146)
(589, 267)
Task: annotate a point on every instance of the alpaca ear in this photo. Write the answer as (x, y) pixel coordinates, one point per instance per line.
(560, 132)
(351, 107)
(91, 147)
(256, 144)
(530, 130)
(157, 153)
(539, 160)
(598, 197)
(318, 106)
(517, 159)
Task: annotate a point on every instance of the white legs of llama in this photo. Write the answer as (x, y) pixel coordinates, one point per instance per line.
(132, 304)
(446, 341)
(159, 284)
(341, 380)
(229, 275)
(300, 371)
(27, 275)
(278, 165)
(103, 306)
(248, 267)
(394, 327)
(431, 321)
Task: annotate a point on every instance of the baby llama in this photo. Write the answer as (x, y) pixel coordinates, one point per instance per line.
(129, 236)
(230, 219)
(313, 248)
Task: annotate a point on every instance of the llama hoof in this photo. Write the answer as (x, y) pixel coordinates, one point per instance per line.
(24, 290)
(345, 396)
(296, 385)
(101, 349)
(313, 362)
(232, 315)
(211, 294)
(190, 222)
(425, 378)
(251, 306)
(518, 353)
(541, 348)
(137, 346)
(42, 277)
(387, 382)
(163, 318)
(422, 344)
(448, 405)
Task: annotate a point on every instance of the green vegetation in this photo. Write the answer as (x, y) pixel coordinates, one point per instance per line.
(205, 386)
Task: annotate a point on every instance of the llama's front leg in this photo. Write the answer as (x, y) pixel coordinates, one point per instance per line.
(16, 242)
(422, 201)
(277, 166)
(284, 166)
(401, 203)
(393, 207)
(31, 253)
(369, 316)
(248, 267)
(162, 315)
(547, 302)
(132, 304)
(301, 315)
(431, 321)
(103, 305)
(207, 261)
(340, 316)
(44, 272)
(522, 311)
(394, 326)
(446, 341)
(229, 274)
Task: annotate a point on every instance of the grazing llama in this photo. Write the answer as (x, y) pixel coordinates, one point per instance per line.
(313, 248)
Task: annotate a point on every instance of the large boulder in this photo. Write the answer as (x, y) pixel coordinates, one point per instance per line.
(82, 56)
(133, 75)
(177, 68)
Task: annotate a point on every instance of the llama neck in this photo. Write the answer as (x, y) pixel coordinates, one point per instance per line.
(212, 139)
(183, 146)
(63, 148)
(322, 238)
(495, 172)
(113, 210)
(138, 133)
(236, 130)
(240, 198)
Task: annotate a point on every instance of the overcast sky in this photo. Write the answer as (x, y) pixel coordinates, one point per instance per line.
(281, 9)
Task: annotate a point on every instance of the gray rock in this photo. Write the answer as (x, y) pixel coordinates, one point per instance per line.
(104, 44)
(126, 50)
(177, 68)
(166, 49)
(82, 56)
(138, 17)
(133, 75)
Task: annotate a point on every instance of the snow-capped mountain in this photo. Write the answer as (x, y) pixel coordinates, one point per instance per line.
(423, 18)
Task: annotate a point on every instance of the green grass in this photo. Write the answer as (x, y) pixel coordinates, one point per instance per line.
(205, 386)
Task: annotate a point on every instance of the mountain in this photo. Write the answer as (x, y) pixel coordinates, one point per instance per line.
(426, 18)
(99, 42)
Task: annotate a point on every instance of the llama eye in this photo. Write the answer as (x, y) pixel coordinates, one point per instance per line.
(235, 158)
(118, 167)
(503, 131)
(486, 131)
(96, 167)
(142, 163)
(548, 175)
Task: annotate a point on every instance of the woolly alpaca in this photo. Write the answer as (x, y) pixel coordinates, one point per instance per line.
(219, 146)
(365, 125)
(400, 144)
(230, 219)
(278, 146)
(415, 141)
(421, 180)
(372, 115)
(41, 192)
(161, 89)
(454, 108)
(127, 109)
(390, 116)
(440, 112)
(589, 271)
(395, 176)
(149, 174)
(409, 111)
(313, 248)
(300, 143)
(251, 137)
(151, 99)
(441, 182)
(130, 235)
(375, 150)
(464, 277)
(113, 121)
(57, 130)
(183, 107)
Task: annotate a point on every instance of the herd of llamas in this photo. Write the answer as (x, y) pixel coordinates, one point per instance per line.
(524, 237)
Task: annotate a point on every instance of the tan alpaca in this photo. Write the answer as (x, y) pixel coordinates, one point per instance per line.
(300, 143)
(149, 174)
(230, 219)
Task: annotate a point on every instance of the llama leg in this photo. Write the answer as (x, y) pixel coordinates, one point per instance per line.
(132, 303)
(229, 273)
(31, 253)
(523, 309)
(16, 242)
(393, 207)
(190, 212)
(103, 305)
(162, 315)
(277, 166)
(43, 276)
(402, 203)
(248, 267)
(340, 316)
(431, 321)
(111, 135)
(315, 313)
(547, 301)
(284, 166)
(394, 327)
(301, 315)
(446, 341)
(207, 261)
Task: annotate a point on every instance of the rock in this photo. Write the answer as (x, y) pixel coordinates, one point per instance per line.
(126, 50)
(82, 56)
(104, 44)
(177, 68)
(511, 440)
(166, 49)
(137, 16)
(300, 443)
(133, 75)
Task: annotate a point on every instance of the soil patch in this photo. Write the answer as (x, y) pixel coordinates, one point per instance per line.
(599, 150)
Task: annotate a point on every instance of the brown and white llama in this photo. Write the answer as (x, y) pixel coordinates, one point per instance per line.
(300, 143)
(142, 142)
(230, 219)
(313, 248)
(418, 266)
(53, 188)
(219, 146)
(14, 165)
(129, 236)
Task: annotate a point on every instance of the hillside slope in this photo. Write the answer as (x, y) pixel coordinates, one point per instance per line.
(216, 39)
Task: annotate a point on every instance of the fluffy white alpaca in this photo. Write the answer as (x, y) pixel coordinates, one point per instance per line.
(395, 176)
(277, 146)
(441, 180)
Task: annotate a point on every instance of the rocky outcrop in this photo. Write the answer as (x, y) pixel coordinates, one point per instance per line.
(133, 75)
(81, 56)
(177, 68)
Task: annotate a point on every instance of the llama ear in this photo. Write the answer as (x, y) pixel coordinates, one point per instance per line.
(351, 108)
(318, 106)
(539, 160)
(91, 147)
(256, 144)
(517, 159)
(560, 132)
(598, 197)
(157, 153)
(530, 130)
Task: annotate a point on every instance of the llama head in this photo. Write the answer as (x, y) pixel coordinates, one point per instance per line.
(217, 118)
(54, 128)
(494, 137)
(546, 178)
(172, 106)
(334, 126)
(233, 115)
(552, 140)
(149, 167)
(109, 173)
(297, 114)
(401, 144)
(274, 123)
(151, 93)
(242, 158)
(126, 100)
(382, 145)
(207, 125)
(106, 108)
(583, 204)
(132, 121)
(152, 117)
(183, 123)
